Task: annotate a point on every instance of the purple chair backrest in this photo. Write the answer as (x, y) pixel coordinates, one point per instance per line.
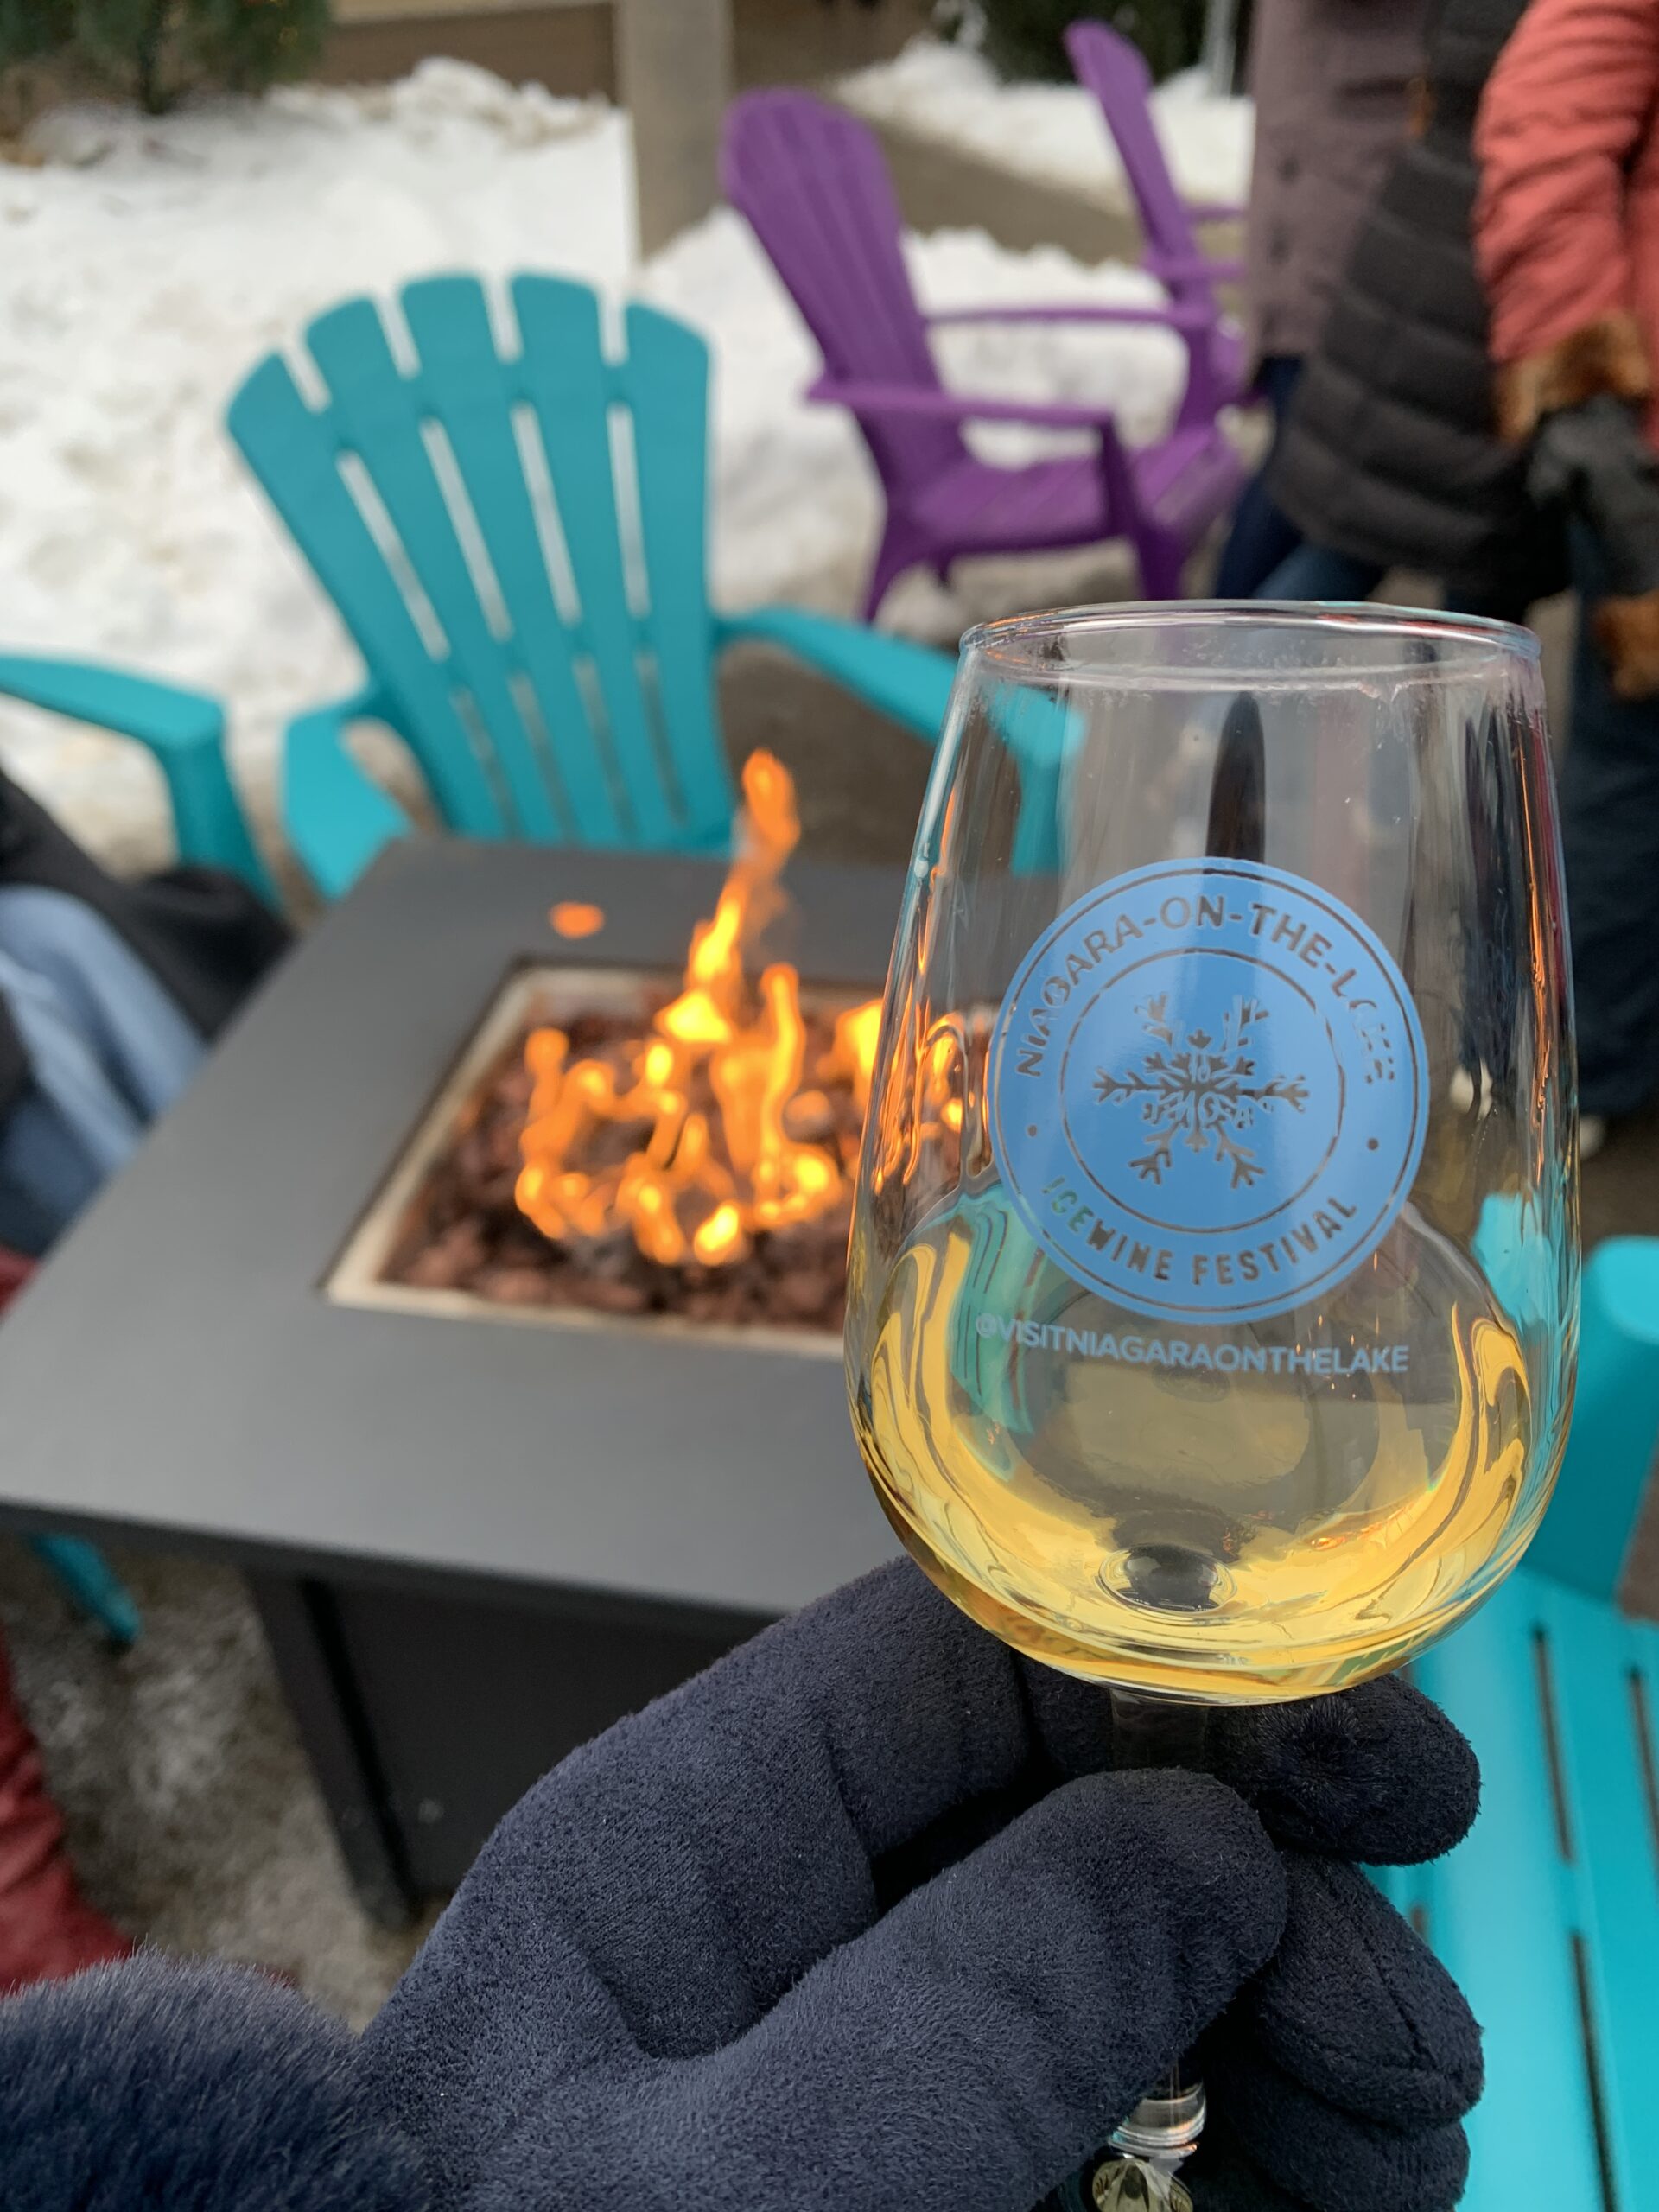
(1115, 72)
(810, 181)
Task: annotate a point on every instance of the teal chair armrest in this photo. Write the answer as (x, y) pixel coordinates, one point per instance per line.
(337, 817)
(185, 731)
(160, 716)
(911, 683)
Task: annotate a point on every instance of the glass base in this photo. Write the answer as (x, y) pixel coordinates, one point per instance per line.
(1139, 2175)
(1137, 2185)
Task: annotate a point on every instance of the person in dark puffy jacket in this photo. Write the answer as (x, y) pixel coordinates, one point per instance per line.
(1390, 455)
(861, 1918)
(1332, 80)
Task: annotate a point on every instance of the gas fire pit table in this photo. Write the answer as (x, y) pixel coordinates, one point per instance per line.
(476, 1534)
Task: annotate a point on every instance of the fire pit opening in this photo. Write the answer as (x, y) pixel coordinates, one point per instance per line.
(613, 1143)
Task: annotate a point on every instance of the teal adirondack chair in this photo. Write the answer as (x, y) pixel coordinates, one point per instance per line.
(1548, 1914)
(513, 531)
(185, 731)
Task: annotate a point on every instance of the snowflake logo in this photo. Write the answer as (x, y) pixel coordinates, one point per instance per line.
(1201, 1089)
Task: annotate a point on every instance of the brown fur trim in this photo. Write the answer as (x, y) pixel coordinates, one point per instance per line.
(1627, 630)
(1604, 356)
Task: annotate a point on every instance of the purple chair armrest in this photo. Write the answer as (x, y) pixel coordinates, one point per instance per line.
(1175, 316)
(955, 407)
(1177, 269)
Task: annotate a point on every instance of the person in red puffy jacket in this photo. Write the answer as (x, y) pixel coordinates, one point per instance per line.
(1566, 234)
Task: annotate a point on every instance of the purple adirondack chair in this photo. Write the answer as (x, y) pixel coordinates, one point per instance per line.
(812, 183)
(1115, 70)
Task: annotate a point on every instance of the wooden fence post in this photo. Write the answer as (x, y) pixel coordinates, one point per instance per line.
(674, 73)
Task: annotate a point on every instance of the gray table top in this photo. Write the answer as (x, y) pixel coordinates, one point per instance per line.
(174, 1369)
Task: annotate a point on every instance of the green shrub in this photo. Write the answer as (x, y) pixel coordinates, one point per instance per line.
(153, 50)
(1023, 37)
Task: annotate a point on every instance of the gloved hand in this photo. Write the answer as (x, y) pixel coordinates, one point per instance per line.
(863, 1918)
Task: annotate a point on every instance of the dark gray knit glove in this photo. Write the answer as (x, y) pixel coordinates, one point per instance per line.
(860, 1921)
(1595, 460)
(863, 1918)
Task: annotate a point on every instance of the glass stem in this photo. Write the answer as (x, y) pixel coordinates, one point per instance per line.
(1150, 1730)
(1144, 2150)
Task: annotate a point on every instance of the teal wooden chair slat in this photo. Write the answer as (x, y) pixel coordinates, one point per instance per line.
(1548, 1914)
(449, 323)
(512, 525)
(572, 385)
(295, 455)
(671, 466)
(380, 418)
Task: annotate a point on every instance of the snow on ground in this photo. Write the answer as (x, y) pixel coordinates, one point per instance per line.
(145, 266)
(1054, 134)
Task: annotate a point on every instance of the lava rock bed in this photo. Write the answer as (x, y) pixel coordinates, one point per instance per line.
(464, 1231)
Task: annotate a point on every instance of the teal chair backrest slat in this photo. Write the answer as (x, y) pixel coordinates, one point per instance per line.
(380, 417)
(570, 386)
(297, 457)
(467, 385)
(513, 531)
(666, 378)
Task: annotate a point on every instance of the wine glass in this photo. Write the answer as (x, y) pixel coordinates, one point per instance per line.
(1213, 1286)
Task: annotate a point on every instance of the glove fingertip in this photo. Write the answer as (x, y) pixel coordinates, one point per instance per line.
(1377, 1773)
(1357, 2008)
(1320, 2156)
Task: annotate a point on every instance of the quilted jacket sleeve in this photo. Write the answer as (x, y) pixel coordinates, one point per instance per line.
(1563, 112)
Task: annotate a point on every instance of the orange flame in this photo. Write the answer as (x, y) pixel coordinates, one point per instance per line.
(711, 1090)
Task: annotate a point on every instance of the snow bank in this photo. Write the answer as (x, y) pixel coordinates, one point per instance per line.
(145, 267)
(1054, 134)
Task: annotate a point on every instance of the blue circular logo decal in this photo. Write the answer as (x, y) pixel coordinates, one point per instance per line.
(1209, 1090)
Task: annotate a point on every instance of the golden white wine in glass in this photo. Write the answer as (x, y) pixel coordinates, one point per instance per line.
(1213, 1302)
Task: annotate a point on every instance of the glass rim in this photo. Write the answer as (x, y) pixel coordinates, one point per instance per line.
(1017, 642)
